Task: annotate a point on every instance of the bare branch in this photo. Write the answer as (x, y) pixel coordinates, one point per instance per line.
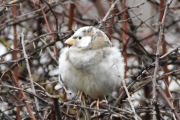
(29, 71)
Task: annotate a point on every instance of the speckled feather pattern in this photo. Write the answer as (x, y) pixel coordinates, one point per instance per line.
(93, 71)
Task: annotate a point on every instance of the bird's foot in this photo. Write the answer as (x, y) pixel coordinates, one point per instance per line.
(97, 104)
(80, 95)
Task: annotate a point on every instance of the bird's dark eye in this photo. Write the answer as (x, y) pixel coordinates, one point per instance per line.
(80, 37)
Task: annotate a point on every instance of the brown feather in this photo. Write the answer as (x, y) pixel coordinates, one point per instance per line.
(99, 42)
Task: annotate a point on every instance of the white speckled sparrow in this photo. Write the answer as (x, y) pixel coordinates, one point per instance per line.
(91, 63)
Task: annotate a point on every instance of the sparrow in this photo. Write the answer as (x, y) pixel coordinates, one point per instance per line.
(91, 65)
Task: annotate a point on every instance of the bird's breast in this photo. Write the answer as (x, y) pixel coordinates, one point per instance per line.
(82, 59)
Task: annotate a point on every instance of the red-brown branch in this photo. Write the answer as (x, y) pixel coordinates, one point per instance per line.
(71, 15)
(124, 24)
(162, 5)
(111, 21)
(48, 27)
(14, 10)
(24, 99)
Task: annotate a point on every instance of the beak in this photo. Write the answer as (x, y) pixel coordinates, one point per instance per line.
(70, 41)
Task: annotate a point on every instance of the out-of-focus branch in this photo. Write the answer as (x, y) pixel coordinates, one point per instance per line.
(71, 15)
(124, 25)
(48, 27)
(111, 21)
(54, 17)
(6, 117)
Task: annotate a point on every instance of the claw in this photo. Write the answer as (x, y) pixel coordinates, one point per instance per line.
(93, 103)
(97, 104)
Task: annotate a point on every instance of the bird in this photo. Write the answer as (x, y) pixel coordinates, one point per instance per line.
(90, 63)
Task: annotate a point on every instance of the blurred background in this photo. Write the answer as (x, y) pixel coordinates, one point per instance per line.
(32, 33)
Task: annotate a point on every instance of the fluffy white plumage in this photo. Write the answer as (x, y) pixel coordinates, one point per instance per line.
(90, 64)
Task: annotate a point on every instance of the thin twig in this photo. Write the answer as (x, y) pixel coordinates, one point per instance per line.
(129, 97)
(107, 14)
(29, 71)
(165, 55)
(161, 36)
(154, 101)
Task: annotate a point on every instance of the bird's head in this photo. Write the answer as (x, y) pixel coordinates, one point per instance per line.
(89, 37)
